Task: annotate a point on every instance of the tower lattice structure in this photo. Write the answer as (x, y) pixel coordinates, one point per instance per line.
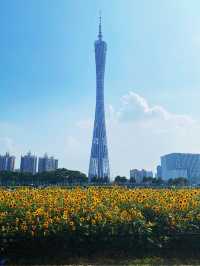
(99, 162)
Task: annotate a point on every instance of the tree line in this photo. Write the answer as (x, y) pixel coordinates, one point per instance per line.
(58, 177)
(69, 177)
(180, 181)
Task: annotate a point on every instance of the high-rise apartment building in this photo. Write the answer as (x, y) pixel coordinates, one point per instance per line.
(28, 164)
(185, 165)
(47, 164)
(7, 162)
(138, 175)
(99, 162)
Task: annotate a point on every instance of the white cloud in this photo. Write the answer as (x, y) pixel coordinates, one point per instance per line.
(135, 107)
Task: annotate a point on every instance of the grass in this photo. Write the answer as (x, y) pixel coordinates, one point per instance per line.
(107, 261)
(109, 258)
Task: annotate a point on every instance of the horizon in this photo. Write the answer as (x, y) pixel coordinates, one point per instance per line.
(152, 80)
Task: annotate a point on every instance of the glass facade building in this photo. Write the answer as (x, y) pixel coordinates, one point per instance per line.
(47, 164)
(28, 164)
(99, 162)
(186, 165)
(7, 162)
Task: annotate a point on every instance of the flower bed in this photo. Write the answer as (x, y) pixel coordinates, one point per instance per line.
(100, 217)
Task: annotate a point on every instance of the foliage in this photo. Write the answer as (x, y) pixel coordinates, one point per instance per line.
(120, 180)
(180, 181)
(157, 181)
(60, 176)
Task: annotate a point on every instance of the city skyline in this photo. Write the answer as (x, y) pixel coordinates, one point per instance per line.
(29, 163)
(152, 84)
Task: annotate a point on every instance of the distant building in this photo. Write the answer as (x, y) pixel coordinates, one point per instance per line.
(148, 173)
(185, 165)
(28, 164)
(135, 174)
(159, 171)
(47, 164)
(7, 162)
(138, 175)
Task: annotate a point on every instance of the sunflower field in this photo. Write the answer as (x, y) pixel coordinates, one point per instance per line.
(100, 216)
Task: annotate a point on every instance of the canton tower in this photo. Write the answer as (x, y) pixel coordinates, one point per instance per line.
(99, 162)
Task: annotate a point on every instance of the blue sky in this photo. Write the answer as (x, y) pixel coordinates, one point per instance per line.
(47, 79)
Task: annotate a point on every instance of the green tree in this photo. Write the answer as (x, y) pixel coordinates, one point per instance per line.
(157, 181)
(148, 179)
(180, 181)
(58, 177)
(120, 180)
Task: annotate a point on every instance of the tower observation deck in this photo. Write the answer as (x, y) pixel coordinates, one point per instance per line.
(99, 162)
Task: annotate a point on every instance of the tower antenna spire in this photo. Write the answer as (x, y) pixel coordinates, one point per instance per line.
(100, 33)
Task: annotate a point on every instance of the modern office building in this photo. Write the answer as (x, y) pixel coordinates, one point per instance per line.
(185, 165)
(138, 175)
(159, 171)
(7, 162)
(47, 164)
(28, 164)
(99, 162)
